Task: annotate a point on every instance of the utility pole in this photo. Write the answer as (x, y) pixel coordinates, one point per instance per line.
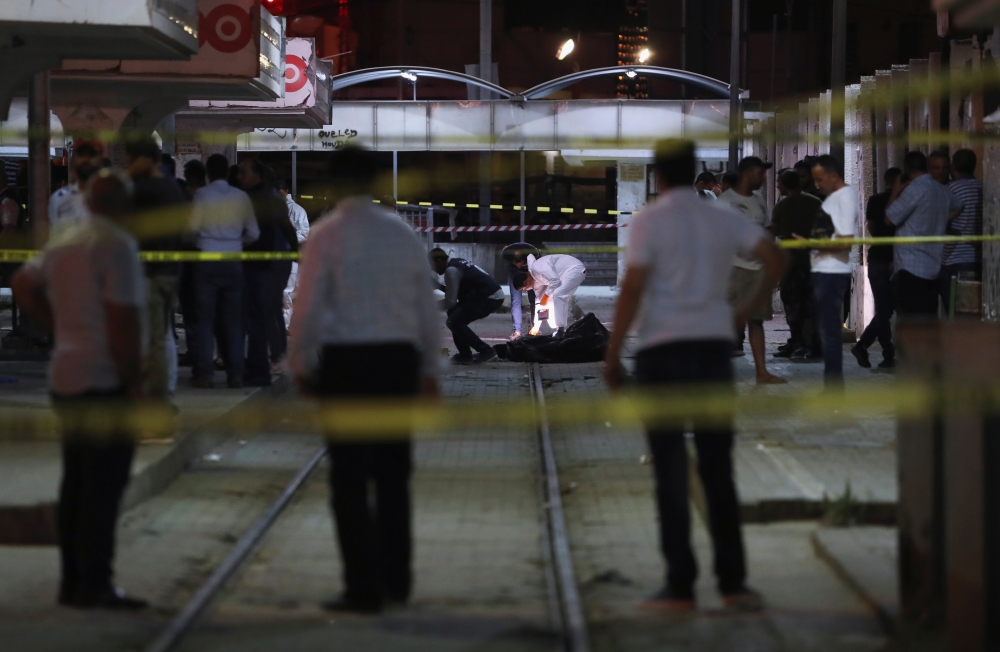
(838, 74)
(39, 165)
(485, 73)
(734, 89)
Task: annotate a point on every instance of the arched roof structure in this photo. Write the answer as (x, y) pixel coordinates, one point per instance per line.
(541, 91)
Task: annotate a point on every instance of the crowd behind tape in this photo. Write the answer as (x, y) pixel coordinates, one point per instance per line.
(22, 255)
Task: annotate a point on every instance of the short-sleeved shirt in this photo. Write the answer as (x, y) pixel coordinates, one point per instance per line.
(842, 207)
(795, 215)
(755, 210)
(687, 245)
(969, 191)
(921, 210)
(83, 267)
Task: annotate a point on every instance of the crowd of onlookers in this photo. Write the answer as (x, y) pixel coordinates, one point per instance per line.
(235, 314)
(933, 195)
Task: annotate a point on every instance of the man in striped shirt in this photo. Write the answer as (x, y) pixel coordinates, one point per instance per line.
(963, 256)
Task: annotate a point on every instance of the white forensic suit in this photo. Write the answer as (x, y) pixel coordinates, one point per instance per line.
(557, 276)
(300, 221)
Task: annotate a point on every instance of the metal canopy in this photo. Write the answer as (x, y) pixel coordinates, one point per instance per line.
(714, 86)
(709, 84)
(376, 74)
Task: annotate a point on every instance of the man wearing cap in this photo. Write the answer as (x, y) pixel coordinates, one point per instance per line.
(470, 294)
(516, 256)
(66, 206)
(746, 273)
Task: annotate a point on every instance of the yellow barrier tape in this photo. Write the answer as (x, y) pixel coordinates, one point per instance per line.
(386, 419)
(22, 255)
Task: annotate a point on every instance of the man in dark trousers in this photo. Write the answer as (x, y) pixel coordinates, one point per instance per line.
(88, 287)
(470, 294)
(265, 279)
(161, 220)
(223, 217)
(365, 326)
(516, 256)
(880, 278)
(678, 268)
(794, 216)
(920, 207)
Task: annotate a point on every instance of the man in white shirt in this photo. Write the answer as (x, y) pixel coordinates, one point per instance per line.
(746, 272)
(555, 279)
(366, 326)
(88, 288)
(678, 266)
(223, 219)
(831, 266)
(300, 221)
(67, 205)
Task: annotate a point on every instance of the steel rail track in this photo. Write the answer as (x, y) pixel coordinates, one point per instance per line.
(182, 623)
(570, 606)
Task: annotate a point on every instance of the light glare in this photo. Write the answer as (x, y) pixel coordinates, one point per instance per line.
(565, 49)
(644, 55)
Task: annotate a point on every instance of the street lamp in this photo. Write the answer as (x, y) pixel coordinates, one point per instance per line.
(565, 49)
(644, 55)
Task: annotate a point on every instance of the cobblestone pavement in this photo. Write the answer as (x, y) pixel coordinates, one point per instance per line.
(787, 465)
(166, 547)
(479, 571)
(613, 533)
(480, 567)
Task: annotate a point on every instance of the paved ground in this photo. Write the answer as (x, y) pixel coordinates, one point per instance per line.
(613, 530)
(480, 566)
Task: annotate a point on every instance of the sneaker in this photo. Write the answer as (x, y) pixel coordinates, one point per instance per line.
(558, 335)
(887, 364)
(461, 358)
(739, 353)
(862, 356)
(516, 335)
(666, 599)
(783, 352)
(745, 599)
(485, 356)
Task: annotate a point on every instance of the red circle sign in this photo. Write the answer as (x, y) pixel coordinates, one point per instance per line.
(295, 73)
(227, 28)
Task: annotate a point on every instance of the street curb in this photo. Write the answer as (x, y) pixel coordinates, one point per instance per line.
(783, 509)
(884, 613)
(190, 446)
(36, 524)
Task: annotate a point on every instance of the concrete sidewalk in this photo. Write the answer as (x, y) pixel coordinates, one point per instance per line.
(31, 469)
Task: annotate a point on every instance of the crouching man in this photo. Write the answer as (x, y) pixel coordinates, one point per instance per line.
(470, 294)
(556, 279)
(365, 326)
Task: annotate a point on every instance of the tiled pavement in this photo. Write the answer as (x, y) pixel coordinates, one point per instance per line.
(479, 571)
(479, 563)
(613, 533)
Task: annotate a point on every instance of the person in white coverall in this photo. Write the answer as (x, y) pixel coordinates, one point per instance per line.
(300, 221)
(555, 280)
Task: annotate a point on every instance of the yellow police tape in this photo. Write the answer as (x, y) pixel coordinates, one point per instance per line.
(22, 255)
(381, 419)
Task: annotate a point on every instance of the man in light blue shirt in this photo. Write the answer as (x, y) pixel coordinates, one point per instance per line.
(922, 207)
(224, 221)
